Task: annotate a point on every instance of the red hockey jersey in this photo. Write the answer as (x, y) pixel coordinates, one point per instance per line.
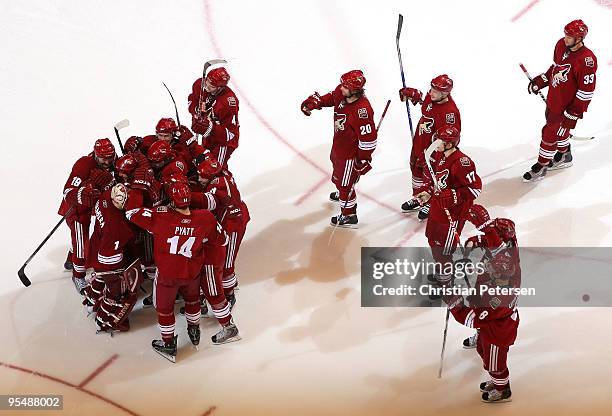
(433, 117)
(222, 109)
(220, 195)
(179, 240)
(354, 129)
(79, 175)
(458, 172)
(495, 315)
(571, 80)
(112, 234)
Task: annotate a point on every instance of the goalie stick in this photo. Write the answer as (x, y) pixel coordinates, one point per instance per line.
(21, 273)
(400, 22)
(121, 125)
(579, 138)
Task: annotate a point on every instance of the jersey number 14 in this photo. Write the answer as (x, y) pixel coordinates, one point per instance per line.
(185, 248)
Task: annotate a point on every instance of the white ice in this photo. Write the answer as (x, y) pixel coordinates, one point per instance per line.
(71, 69)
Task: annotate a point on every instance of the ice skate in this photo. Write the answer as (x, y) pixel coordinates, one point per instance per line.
(166, 350)
(194, 334)
(411, 205)
(344, 221)
(536, 173)
(228, 333)
(79, 284)
(423, 213)
(486, 386)
(148, 301)
(561, 161)
(470, 342)
(68, 263)
(334, 196)
(496, 396)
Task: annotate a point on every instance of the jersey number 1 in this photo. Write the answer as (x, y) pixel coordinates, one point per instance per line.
(184, 250)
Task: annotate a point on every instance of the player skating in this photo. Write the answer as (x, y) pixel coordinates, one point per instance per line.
(438, 109)
(571, 81)
(353, 143)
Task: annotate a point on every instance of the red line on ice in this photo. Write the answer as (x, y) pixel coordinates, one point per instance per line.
(98, 370)
(524, 10)
(69, 384)
(213, 39)
(310, 191)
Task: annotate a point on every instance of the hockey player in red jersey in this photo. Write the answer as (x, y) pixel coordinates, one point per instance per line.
(437, 110)
(571, 81)
(117, 276)
(353, 143)
(90, 175)
(139, 178)
(458, 186)
(214, 110)
(498, 234)
(180, 239)
(220, 195)
(493, 313)
(165, 161)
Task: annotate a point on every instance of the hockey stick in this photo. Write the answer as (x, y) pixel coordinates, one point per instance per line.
(178, 121)
(121, 125)
(400, 22)
(21, 273)
(428, 152)
(207, 65)
(331, 236)
(579, 138)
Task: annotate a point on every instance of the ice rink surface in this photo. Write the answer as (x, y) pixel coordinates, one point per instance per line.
(72, 69)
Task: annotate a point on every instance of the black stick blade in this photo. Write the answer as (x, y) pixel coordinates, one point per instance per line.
(22, 276)
(400, 22)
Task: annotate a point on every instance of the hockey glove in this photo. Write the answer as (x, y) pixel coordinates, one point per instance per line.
(185, 136)
(569, 120)
(362, 167)
(87, 196)
(101, 179)
(447, 198)
(412, 94)
(311, 103)
(472, 242)
(537, 84)
(201, 125)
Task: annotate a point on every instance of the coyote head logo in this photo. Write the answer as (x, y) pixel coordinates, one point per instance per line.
(560, 73)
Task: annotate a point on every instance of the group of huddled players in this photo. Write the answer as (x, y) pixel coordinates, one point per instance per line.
(168, 209)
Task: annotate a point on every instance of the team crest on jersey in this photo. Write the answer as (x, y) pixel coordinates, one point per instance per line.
(429, 107)
(442, 176)
(495, 302)
(426, 125)
(559, 74)
(588, 61)
(450, 118)
(362, 113)
(339, 120)
(231, 101)
(465, 161)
